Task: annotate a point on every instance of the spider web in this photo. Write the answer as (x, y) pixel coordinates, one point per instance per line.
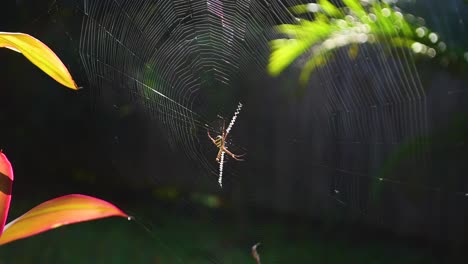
(179, 59)
(359, 142)
(186, 61)
(375, 148)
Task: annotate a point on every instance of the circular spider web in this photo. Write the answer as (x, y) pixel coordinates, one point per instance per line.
(358, 141)
(369, 132)
(186, 61)
(179, 59)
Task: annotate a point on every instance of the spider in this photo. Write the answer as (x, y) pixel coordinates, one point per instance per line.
(220, 142)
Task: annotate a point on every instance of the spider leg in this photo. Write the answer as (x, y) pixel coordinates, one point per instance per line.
(209, 135)
(236, 157)
(218, 157)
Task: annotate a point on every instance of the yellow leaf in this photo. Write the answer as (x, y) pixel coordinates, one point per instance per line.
(39, 54)
(68, 209)
(330, 8)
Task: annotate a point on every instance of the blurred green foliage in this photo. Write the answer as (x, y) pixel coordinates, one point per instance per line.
(354, 24)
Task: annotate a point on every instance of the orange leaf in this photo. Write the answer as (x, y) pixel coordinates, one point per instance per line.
(39, 54)
(57, 212)
(6, 182)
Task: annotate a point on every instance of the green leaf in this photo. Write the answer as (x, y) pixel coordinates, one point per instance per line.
(329, 31)
(312, 64)
(300, 9)
(305, 35)
(284, 52)
(356, 7)
(330, 9)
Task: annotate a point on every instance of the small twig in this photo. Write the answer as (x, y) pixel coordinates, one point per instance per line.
(255, 254)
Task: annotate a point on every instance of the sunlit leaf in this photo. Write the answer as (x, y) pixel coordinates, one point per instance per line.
(330, 8)
(6, 183)
(285, 51)
(300, 9)
(316, 61)
(284, 54)
(57, 212)
(321, 17)
(335, 27)
(355, 6)
(402, 42)
(385, 25)
(39, 54)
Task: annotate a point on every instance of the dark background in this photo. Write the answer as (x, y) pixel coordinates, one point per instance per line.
(395, 180)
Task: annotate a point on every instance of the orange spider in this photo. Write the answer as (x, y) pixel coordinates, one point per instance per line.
(220, 142)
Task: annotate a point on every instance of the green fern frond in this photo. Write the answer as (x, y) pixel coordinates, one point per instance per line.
(336, 27)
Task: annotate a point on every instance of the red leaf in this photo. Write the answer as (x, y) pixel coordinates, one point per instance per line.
(6, 183)
(57, 212)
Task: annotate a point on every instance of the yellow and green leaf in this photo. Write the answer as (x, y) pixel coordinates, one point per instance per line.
(330, 9)
(39, 54)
